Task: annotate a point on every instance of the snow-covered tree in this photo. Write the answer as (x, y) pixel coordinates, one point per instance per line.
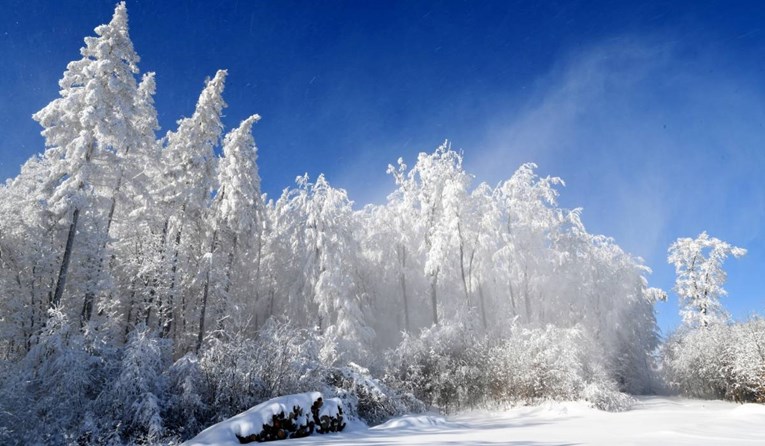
(436, 188)
(86, 131)
(189, 178)
(321, 269)
(237, 224)
(700, 277)
(29, 256)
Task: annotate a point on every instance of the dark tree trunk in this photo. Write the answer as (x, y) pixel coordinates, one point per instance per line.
(61, 282)
(483, 304)
(205, 293)
(434, 296)
(222, 308)
(155, 281)
(465, 287)
(512, 297)
(402, 280)
(168, 322)
(526, 297)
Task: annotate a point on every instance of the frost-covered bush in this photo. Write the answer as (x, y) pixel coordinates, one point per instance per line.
(718, 361)
(235, 372)
(695, 363)
(137, 396)
(48, 397)
(747, 355)
(288, 358)
(240, 371)
(450, 368)
(604, 395)
(186, 409)
(369, 398)
(445, 367)
(537, 363)
(229, 377)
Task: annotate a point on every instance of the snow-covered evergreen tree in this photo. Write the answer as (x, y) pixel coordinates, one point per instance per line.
(237, 224)
(87, 130)
(189, 178)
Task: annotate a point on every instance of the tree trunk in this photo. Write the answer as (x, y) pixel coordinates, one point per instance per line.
(129, 312)
(61, 282)
(512, 297)
(462, 266)
(402, 280)
(227, 287)
(87, 305)
(483, 304)
(168, 319)
(271, 305)
(526, 298)
(205, 293)
(434, 296)
(149, 301)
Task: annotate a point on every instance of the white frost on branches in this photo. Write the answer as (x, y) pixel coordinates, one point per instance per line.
(700, 277)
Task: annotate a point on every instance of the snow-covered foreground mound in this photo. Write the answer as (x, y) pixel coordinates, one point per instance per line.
(652, 421)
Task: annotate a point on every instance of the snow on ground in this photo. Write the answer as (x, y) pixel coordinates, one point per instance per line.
(653, 421)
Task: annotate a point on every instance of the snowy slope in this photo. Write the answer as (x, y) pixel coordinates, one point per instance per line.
(653, 421)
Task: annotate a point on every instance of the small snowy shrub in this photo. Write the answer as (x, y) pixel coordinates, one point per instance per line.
(449, 368)
(746, 351)
(235, 372)
(287, 359)
(185, 409)
(444, 367)
(718, 361)
(535, 364)
(137, 395)
(694, 362)
(367, 397)
(229, 376)
(605, 396)
(48, 399)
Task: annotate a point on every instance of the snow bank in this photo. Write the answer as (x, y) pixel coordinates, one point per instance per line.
(652, 421)
(290, 416)
(749, 409)
(411, 422)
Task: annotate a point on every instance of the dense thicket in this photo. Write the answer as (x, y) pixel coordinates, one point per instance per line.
(718, 362)
(149, 278)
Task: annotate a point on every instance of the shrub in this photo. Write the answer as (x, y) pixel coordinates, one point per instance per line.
(450, 368)
(367, 397)
(718, 361)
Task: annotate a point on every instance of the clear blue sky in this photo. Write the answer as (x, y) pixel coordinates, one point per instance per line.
(653, 112)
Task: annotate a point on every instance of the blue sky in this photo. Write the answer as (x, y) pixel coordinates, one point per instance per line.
(652, 112)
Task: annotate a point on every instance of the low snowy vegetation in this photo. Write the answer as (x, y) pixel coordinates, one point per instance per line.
(448, 368)
(720, 361)
(148, 289)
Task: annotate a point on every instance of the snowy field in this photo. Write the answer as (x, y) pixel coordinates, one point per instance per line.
(653, 421)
